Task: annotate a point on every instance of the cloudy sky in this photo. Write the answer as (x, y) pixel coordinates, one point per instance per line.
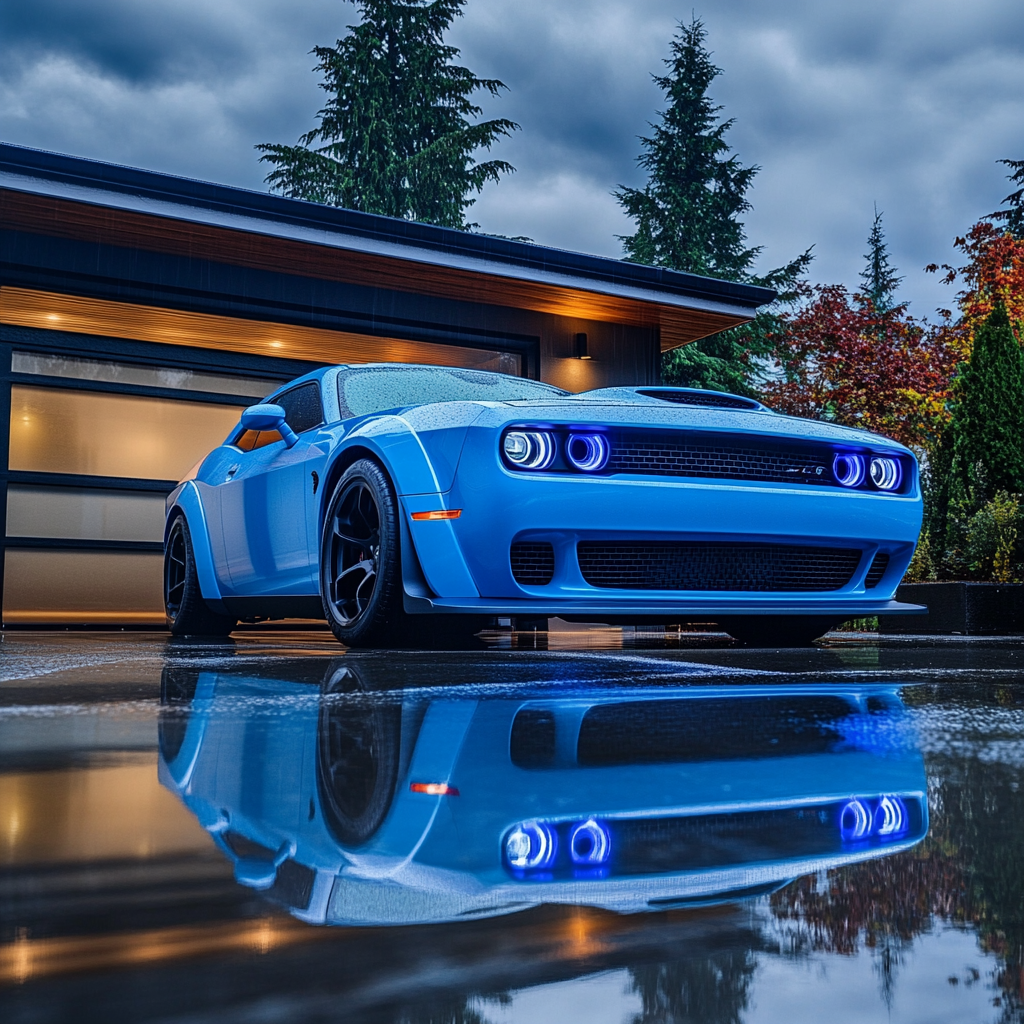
(903, 103)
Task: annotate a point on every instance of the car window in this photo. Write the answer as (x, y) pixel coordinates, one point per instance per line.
(250, 440)
(375, 388)
(302, 407)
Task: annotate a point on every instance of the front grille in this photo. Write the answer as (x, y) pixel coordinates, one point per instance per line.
(706, 399)
(877, 570)
(661, 455)
(698, 565)
(709, 729)
(533, 563)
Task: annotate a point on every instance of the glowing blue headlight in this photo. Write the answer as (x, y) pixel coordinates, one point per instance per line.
(529, 449)
(854, 821)
(531, 846)
(885, 473)
(890, 816)
(849, 470)
(589, 843)
(588, 452)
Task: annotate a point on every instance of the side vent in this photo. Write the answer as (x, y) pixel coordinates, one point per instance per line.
(533, 563)
(877, 570)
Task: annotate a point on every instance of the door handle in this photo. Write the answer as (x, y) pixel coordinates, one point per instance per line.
(232, 471)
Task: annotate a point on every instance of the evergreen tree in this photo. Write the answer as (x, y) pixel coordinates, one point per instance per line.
(396, 136)
(687, 214)
(982, 451)
(1014, 216)
(879, 277)
(688, 218)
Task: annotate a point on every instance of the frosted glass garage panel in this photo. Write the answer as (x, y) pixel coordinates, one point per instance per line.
(45, 365)
(88, 514)
(58, 431)
(116, 587)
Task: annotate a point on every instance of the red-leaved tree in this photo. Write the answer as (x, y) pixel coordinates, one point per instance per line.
(994, 272)
(839, 359)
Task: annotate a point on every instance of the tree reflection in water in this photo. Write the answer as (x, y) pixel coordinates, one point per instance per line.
(967, 873)
(711, 991)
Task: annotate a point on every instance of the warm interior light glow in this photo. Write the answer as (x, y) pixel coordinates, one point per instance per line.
(25, 307)
(433, 788)
(444, 513)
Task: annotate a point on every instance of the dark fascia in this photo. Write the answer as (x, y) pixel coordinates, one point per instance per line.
(188, 192)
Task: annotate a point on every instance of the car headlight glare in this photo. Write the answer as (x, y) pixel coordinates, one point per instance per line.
(588, 452)
(849, 470)
(529, 449)
(589, 843)
(890, 816)
(885, 473)
(531, 846)
(854, 821)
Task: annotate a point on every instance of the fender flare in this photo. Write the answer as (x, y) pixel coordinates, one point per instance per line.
(437, 554)
(189, 503)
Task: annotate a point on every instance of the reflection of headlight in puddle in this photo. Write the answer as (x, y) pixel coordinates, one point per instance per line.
(531, 846)
(887, 819)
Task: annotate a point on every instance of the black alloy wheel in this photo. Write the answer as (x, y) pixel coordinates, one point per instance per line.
(354, 554)
(358, 744)
(360, 581)
(361, 576)
(187, 612)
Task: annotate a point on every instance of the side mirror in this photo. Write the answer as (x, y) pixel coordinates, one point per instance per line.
(269, 417)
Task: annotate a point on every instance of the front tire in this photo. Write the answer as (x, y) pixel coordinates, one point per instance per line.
(361, 575)
(187, 613)
(777, 630)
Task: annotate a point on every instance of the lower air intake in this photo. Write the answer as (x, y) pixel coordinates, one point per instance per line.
(697, 565)
(877, 570)
(533, 563)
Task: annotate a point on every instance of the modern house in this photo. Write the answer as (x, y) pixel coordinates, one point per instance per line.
(140, 312)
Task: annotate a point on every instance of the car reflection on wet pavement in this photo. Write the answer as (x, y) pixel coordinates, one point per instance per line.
(600, 826)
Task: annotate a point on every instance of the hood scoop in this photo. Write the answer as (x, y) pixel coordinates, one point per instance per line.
(705, 399)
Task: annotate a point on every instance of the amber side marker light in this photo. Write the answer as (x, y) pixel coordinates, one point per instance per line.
(445, 513)
(433, 788)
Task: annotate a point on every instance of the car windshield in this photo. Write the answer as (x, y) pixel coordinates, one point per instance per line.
(375, 388)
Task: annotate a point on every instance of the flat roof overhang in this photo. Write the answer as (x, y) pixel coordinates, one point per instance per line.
(69, 197)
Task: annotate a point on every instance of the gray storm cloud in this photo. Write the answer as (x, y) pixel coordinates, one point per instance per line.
(907, 103)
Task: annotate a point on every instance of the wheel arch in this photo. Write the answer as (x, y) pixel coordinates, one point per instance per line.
(189, 504)
(437, 567)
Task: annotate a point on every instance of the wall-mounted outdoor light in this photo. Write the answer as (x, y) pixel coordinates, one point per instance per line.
(581, 347)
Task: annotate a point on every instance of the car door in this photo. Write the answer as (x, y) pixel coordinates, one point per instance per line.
(263, 503)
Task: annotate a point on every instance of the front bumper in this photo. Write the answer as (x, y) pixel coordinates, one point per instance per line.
(670, 610)
(500, 507)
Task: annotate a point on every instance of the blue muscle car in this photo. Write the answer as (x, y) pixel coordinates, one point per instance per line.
(352, 805)
(410, 504)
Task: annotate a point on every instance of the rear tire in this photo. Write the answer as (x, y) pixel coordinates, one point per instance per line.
(361, 575)
(187, 613)
(778, 630)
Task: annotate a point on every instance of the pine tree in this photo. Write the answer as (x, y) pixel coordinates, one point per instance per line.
(879, 277)
(1014, 216)
(688, 218)
(988, 418)
(396, 136)
(687, 214)
(982, 452)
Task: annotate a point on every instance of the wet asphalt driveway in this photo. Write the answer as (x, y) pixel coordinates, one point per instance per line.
(595, 826)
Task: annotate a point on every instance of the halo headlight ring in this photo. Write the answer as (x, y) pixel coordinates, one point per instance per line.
(886, 472)
(528, 449)
(848, 469)
(531, 846)
(590, 844)
(587, 452)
